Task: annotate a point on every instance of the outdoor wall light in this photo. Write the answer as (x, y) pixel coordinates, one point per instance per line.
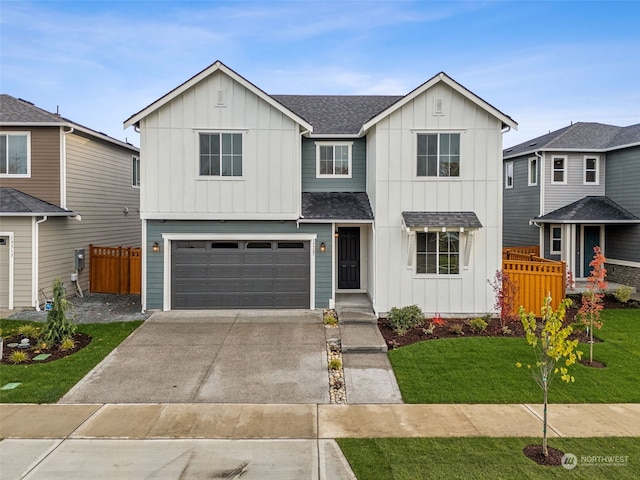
(156, 247)
(336, 234)
(323, 247)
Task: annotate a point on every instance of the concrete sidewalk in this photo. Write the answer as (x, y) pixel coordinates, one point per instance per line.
(257, 441)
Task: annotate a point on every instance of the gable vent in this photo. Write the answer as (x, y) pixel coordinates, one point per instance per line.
(437, 106)
(221, 98)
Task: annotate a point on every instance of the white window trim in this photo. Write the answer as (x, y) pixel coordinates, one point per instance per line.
(551, 239)
(219, 178)
(19, 134)
(135, 158)
(597, 170)
(529, 182)
(564, 169)
(334, 144)
(508, 175)
(415, 155)
(464, 252)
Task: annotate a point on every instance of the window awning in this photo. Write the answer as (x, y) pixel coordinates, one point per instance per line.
(440, 221)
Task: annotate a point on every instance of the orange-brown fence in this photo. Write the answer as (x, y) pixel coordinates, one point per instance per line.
(524, 250)
(115, 269)
(535, 278)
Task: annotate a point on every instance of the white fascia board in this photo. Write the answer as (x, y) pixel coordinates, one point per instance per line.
(39, 214)
(217, 216)
(217, 66)
(624, 263)
(332, 136)
(587, 222)
(239, 236)
(586, 151)
(441, 77)
(334, 220)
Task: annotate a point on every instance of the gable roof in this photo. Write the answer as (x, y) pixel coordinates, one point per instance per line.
(444, 78)
(198, 77)
(581, 136)
(19, 204)
(337, 114)
(16, 112)
(589, 209)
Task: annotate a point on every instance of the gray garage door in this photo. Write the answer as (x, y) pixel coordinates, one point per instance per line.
(239, 274)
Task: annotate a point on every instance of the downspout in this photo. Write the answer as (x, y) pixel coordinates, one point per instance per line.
(541, 205)
(63, 168)
(35, 264)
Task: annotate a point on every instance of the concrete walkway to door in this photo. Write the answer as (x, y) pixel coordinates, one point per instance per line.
(228, 356)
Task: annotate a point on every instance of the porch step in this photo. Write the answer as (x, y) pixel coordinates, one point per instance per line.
(348, 314)
(362, 338)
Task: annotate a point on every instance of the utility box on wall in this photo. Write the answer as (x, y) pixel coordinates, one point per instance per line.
(79, 259)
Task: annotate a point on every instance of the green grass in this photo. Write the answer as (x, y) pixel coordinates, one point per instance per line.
(48, 382)
(482, 369)
(482, 458)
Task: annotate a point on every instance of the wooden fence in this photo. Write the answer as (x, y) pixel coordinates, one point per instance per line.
(115, 269)
(535, 278)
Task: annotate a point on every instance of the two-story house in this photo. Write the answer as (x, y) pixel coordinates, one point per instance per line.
(573, 189)
(63, 187)
(251, 200)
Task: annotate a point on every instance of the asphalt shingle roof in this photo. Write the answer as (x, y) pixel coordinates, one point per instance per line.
(336, 206)
(16, 203)
(589, 209)
(580, 135)
(441, 219)
(17, 110)
(336, 114)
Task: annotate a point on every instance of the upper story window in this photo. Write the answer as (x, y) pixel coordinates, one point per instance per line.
(221, 154)
(333, 159)
(15, 154)
(508, 175)
(135, 171)
(533, 171)
(438, 155)
(559, 169)
(591, 170)
(438, 253)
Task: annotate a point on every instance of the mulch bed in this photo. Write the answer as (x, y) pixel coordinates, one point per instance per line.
(534, 452)
(81, 340)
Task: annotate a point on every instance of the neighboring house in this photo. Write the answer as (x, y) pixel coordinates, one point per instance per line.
(573, 189)
(250, 200)
(62, 187)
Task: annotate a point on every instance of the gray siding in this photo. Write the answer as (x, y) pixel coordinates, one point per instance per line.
(358, 180)
(155, 265)
(623, 178)
(521, 204)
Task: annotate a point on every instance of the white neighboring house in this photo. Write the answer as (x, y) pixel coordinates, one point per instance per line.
(251, 200)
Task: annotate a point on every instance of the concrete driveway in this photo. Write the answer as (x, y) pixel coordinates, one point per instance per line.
(230, 356)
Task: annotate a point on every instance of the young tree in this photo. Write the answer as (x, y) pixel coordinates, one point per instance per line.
(58, 325)
(505, 291)
(589, 312)
(551, 344)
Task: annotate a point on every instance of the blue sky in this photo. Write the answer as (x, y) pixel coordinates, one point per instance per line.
(545, 64)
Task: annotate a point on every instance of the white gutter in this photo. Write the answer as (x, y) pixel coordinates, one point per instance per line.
(541, 160)
(63, 167)
(35, 264)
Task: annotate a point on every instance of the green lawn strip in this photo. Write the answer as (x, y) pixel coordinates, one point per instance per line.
(48, 382)
(482, 369)
(484, 458)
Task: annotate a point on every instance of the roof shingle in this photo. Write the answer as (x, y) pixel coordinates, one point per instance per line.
(336, 206)
(589, 210)
(16, 203)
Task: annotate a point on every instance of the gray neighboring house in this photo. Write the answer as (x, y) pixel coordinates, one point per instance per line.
(63, 187)
(573, 189)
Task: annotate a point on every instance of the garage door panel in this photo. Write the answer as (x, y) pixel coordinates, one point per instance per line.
(252, 274)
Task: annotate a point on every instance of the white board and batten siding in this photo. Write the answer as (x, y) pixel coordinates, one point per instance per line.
(172, 188)
(397, 188)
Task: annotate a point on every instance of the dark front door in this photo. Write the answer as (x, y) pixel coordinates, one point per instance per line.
(591, 239)
(349, 258)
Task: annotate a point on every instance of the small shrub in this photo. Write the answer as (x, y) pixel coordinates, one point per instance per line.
(67, 343)
(505, 330)
(623, 293)
(18, 356)
(429, 330)
(478, 325)
(30, 331)
(330, 319)
(404, 319)
(58, 325)
(456, 328)
(335, 364)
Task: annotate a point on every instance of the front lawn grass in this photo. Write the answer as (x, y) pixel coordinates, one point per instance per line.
(48, 382)
(484, 458)
(482, 369)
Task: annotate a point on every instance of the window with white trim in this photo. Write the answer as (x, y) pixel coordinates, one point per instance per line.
(333, 159)
(556, 239)
(591, 170)
(135, 171)
(558, 169)
(220, 154)
(15, 154)
(438, 155)
(533, 171)
(508, 175)
(438, 253)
